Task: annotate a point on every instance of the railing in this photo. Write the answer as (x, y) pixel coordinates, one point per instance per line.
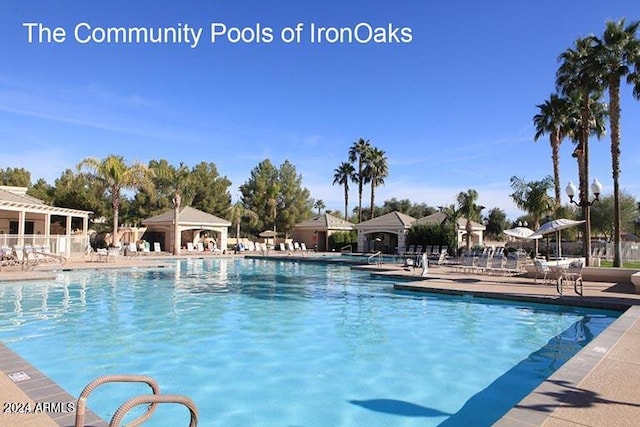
(346, 249)
(70, 247)
(151, 399)
(378, 260)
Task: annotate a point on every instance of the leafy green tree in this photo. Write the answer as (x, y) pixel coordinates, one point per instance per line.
(555, 118)
(17, 177)
(42, 190)
(342, 175)
(375, 171)
(259, 194)
(357, 153)
(77, 191)
(618, 56)
(295, 201)
(451, 216)
(210, 190)
(602, 214)
(113, 176)
(496, 222)
(276, 195)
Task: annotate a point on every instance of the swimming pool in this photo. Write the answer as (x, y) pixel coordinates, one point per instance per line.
(276, 343)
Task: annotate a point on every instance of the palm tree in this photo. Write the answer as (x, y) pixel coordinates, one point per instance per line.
(577, 77)
(237, 212)
(618, 55)
(319, 204)
(468, 208)
(555, 117)
(375, 171)
(113, 174)
(452, 214)
(342, 175)
(177, 181)
(357, 153)
(532, 197)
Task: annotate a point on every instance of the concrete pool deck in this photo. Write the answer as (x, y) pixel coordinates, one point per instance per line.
(598, 386)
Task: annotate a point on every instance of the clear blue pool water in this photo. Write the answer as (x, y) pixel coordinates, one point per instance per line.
(265, 343)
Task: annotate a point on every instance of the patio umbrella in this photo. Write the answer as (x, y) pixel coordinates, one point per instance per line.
(269, 234)
(521, 233)
(555, 226)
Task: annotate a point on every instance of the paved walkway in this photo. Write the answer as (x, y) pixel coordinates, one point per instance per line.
(597, 387)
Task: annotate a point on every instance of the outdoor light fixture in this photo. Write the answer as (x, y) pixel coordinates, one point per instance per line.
(596, 189)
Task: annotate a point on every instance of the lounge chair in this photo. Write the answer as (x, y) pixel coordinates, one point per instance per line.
(303, 246)
(411, 250)
(156, 247)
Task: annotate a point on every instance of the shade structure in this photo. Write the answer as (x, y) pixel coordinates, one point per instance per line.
(521, 233)
(555, 226)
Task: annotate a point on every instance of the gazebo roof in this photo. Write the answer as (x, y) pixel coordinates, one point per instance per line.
(393, 219)
(187, 215)
(326, 222)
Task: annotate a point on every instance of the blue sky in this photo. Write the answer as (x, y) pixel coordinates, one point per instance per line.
(452, 108)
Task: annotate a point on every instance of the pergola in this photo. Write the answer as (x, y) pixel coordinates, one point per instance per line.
(23, 217)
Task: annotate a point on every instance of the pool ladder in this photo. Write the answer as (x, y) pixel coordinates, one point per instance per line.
(147, 399)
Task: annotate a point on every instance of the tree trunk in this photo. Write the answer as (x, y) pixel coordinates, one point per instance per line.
(360, 182)
(614, 123)
(584, 182)
(346, 202)
(177, 201)
(373, 196)
(555, 157)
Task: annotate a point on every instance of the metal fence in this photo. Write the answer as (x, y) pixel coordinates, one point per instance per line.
(69, 246)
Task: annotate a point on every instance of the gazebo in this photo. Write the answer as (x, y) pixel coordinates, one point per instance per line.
(385, 233)
(315, 232)
(193, 224)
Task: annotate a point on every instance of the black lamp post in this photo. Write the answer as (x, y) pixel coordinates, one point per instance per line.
(585, 204)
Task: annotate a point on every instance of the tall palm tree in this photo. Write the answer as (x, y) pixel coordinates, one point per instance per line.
(577, 77)
(533, 198)
(357, 153)
(177, 181)
(319, 204)
(618, 54)
(554, 118)
(375, 171)
(469, 209)
(113, 174)
(342, 175)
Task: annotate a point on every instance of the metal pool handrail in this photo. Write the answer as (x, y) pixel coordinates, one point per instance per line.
(82, 400)
(377, 254)
(152, 399)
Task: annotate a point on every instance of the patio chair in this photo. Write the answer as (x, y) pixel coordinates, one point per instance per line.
(411, 250)
(573, 275)
(542, 271)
